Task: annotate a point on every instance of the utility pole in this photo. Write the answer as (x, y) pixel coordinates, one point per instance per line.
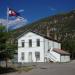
(7, 19)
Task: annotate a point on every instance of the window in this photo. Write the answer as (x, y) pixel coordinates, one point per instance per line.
(30, 42)
(22, 56)
(38, 42)
(37, 55)
(23, 43)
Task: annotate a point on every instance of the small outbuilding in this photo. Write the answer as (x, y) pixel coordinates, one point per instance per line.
(61, 55)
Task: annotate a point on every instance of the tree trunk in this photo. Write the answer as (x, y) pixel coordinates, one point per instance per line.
(72, 55)
(6, 62)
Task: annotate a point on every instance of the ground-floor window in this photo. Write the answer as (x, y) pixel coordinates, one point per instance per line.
(30, 56)
(22, 55)
(37, 55)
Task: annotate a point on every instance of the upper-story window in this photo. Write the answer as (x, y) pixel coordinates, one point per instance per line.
(23, 43)
(30, 42)
(38, 42)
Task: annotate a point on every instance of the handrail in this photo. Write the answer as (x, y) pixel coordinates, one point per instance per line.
(53, 56)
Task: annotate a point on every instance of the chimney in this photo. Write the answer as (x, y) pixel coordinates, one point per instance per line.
(48, 32)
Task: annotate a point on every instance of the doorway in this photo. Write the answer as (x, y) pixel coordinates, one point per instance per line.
(30, 57)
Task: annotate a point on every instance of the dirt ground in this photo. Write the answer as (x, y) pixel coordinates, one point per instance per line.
(49, 69)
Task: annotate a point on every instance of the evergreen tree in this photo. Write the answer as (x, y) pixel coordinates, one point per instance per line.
(7, 49)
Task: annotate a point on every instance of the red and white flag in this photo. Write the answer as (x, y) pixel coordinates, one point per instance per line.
(12, 12)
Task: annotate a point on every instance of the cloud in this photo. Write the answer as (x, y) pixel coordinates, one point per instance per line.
(52, 9)
(21, 10)
(13, 24)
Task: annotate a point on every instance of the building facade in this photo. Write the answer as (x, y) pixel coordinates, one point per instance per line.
(33, 47)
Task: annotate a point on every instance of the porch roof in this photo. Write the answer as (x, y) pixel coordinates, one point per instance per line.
(62, 52)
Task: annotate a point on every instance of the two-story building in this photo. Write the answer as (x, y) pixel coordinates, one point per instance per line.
(34, 47)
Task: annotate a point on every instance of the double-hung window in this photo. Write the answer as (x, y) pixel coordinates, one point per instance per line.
(22, 55)
(23, 43)
(38, 42)
(37, 55)
(30, 42)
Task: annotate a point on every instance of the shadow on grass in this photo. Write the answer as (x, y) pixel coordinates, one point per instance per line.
(7, 70)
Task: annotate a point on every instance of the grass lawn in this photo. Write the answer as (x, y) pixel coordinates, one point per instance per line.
(16, 69)
(25, 68)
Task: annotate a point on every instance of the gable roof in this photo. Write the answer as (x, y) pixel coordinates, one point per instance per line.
(62, 52)
(39, 35)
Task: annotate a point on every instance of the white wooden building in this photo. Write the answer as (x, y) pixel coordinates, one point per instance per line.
(34, 47)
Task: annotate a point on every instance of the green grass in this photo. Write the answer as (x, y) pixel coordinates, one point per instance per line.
(26, 68)
(4, 70)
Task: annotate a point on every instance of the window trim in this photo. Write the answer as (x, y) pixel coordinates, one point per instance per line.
(38, 42)
(36, 56)
(23, 43)
(30, 42)
(22, 55)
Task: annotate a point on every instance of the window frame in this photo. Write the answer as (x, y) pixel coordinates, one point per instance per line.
(37, 56)
(38, 42)
(22, 55)
(30, 42)
(23, 43)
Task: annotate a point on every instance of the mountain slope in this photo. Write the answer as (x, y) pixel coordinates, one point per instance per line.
(58, 26)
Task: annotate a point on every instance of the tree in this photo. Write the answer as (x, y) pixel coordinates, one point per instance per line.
(69, 45)
(7, 49)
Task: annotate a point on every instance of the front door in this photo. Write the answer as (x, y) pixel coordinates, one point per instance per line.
(30, 57)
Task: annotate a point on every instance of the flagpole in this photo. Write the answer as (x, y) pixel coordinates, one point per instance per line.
(7, 19)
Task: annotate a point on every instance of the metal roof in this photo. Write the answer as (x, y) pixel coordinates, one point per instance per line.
(39, 35)
(62, 52)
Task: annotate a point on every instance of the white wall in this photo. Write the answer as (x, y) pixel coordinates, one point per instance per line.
(57, 45)
(51, 44)
(65, 58)
(45, 44)
(32, 49)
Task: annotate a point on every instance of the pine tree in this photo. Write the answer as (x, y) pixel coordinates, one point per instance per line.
(7, 49)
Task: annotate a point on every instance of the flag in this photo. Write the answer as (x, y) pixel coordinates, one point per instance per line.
(12, 12)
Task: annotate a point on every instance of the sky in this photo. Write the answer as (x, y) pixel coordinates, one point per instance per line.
(33, 10)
